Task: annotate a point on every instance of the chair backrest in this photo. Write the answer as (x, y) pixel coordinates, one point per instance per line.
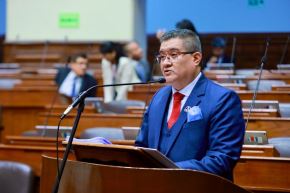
(282, 144)
(15, 177)
(265, 85)
(106, 132)
(284, 109)
(283, 66)
(121, 106)
(261, 104)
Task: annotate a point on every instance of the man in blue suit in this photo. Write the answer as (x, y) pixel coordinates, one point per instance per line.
(196, 123)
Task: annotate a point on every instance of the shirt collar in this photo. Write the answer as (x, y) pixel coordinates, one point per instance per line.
(187, 90)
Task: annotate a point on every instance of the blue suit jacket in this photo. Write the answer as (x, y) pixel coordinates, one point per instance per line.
(213, 143)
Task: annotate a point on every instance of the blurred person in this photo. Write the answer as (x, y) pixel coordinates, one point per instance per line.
(74, 79)
(218, 52)
(135, 53)
(116, 69)
(182, 24)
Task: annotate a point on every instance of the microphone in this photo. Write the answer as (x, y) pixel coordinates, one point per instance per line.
(284, 50)
(263, 61)
(84, 94)
(233, 49)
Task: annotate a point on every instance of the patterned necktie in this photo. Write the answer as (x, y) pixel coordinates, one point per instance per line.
(177, 98)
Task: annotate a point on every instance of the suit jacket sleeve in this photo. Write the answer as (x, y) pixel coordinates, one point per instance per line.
(142, 137)
(225, 135)
(89, 81)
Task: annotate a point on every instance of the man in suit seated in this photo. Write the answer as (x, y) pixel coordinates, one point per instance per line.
(74, 79)
(135, 53)
(218, 52)
(194, 122)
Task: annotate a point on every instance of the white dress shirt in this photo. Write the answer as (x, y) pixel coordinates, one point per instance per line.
(67, 85)
(185, 91)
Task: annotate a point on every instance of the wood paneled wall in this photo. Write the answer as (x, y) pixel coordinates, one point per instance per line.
(249, 48)
(48, 53)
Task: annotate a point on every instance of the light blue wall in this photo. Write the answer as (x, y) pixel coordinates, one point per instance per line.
(2, 17)
(219, 16)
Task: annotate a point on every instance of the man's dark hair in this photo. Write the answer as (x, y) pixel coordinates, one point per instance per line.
(107, 47)
(186, 24)
(74, 57)
(110, 47)
(190, 39)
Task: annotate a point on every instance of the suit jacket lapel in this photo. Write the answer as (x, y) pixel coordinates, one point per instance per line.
(161, 106)
(193, 100)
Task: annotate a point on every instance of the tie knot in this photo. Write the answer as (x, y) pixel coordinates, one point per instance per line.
(178, 96)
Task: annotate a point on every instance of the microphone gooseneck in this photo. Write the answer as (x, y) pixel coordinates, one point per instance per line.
(284, 50)
(263, 61)
(233, 49)
(84, 94)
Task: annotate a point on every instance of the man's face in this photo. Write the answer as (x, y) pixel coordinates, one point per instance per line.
(179, 69)
(135, 52)
(79, 66)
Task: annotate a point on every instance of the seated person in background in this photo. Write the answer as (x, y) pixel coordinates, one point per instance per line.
(73, 79)
(135, 53)
(218, 52)
(193, 121)
(182, 24)
(186, 24)
(116, 69)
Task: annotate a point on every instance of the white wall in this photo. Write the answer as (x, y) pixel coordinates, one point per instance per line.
(37, 20)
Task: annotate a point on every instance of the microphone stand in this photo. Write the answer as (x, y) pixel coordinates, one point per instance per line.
(263, 61)
(69, 145)
(81, 105)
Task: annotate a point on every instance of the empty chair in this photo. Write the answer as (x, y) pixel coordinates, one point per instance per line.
(282, 144)
(265, 85)
(31, 133)
(8, 83)
(284, 109)
(120, 107)
(106, 132)
(248, 72)
(15, 177)
(261, 104)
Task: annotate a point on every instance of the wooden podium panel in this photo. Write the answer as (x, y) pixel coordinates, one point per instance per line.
(82, 177)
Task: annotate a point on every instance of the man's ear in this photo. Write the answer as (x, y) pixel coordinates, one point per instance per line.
(197, 56)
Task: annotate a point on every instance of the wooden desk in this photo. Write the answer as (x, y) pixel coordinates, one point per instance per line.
(29, 150)
(17, 119)
(263, 174)
(260, 150)
(30, 155)
(281, 96)
(281, 88)
(89, 120)
(269, 173)
(29, 96)
(274, 126)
